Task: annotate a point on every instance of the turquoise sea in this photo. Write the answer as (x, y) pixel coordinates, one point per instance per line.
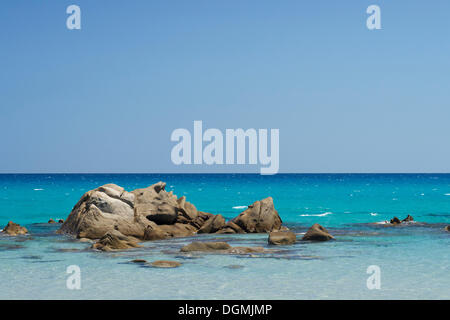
(413, 259)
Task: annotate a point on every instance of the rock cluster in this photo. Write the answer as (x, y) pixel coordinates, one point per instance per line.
(153, 213)
(14, 229)
(396, 220)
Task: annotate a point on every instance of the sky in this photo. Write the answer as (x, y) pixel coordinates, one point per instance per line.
(107, 97)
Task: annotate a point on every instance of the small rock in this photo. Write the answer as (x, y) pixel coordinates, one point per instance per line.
(282, 238)
(317, 233)
(61, 221)
(165, 264)
(14, 229)
(395, 220)
(138, 261)
(447, 228)
(51, 221)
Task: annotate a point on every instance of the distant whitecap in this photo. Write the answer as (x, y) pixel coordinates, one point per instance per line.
(316, 215)
(373, 214)
(38, 189)
(240, 207)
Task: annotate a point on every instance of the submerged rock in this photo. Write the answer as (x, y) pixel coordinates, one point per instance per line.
(282, 238)
(114, 240)
(220, 247)
(317, 233)
(260, 217)
(206, 246)
(165, 264)
(138, 261)
(14, 229)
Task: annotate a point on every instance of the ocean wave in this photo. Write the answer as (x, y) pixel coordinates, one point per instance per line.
(38, 189)
(373, 214)
(240, 207)
(447, 194)
(316, 215)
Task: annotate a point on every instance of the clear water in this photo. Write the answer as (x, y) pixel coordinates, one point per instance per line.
(413, 259)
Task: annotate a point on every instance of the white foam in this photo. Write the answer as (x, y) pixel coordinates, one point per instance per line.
(240, 207)
(447, 194)
(38, 189)
(316, 215)
(373, 214)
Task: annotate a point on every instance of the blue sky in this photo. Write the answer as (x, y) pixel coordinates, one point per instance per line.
(106, 98)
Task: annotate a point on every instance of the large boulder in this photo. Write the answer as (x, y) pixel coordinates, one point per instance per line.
(317, 233)
(147, 213)
(282, 238)
(260, 217)
(114, 240)
(14, 229)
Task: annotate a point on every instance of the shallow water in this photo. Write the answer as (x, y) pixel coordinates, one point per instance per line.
(413, 258)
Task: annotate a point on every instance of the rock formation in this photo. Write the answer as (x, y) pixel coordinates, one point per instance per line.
(282, 238)
(152, 213)
(14, 229)
(317, 233)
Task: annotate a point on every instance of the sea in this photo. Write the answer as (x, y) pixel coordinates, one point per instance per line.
(410, 261)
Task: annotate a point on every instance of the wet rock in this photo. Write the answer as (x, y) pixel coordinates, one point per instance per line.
(51, 221)
(447, 228)
(14, 229)
(213, 224)
(282, 238)
(260, 217)
(206, 246)
(246, 250)
(317, 233)
(61, 221)
(138, 261)
(165, 264)
(114, 240)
